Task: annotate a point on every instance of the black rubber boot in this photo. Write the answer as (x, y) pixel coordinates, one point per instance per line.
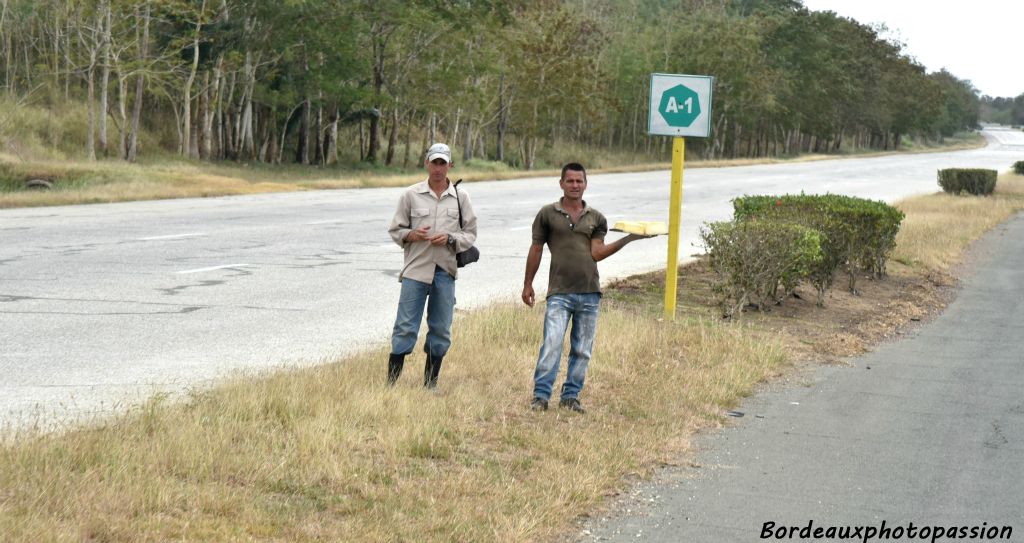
(431, 371)
(395, 363)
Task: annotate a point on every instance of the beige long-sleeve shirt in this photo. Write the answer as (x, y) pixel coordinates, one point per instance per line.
(419, 206)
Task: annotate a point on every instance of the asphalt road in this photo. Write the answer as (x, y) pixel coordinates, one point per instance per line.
(928, 430)
(101, 305)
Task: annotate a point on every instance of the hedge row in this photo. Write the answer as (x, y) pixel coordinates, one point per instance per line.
(1018, 167)
(851, 233)
(977, 181)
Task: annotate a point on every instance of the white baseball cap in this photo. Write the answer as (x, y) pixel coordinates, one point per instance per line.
(439, 150)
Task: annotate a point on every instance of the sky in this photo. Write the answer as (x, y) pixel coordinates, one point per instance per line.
(986, 51)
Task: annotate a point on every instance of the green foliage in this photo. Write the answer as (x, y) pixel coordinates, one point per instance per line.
(857, 234)
(278, 79)
(759, 261)
(1018, 167)
(1003, 110)
(976, 181)
(962, 107)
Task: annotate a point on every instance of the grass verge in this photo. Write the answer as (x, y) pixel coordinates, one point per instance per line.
(329, 453)
(83, 182)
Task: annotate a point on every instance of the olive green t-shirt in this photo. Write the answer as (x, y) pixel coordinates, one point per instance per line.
(573, 269)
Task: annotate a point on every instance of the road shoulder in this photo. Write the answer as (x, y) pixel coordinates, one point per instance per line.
(920, 430)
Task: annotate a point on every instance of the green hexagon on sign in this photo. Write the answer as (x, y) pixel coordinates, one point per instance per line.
(680, 106)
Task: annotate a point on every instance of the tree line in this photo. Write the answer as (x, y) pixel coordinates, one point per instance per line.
(1003, 110)
(294, 81)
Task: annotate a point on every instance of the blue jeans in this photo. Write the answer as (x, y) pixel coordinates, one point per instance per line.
(581, 309)
(440, 300)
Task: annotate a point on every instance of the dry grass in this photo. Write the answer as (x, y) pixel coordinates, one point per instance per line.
(939, 227)
(329, 453)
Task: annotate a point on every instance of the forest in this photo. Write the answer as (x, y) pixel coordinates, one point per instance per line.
(322, 82)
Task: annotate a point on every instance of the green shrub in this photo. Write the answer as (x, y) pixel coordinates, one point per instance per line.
(754, 259)
(975, 181)
(856, 234)
(1018, 167)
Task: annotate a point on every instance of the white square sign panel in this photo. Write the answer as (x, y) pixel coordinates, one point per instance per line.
(680, 105)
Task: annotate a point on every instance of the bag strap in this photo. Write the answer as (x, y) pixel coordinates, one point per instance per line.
(458, 200)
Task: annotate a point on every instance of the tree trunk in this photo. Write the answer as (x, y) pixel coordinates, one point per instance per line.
(302, 148)
(530, 152)
(433, 131)
(271, 153)
(243, 132)
(90, 137)
(206, 149)
(392, 137)
(408, 142)
(284, 128)
(318, 154)
(467, 142)
(362, 140)
(177, 125)
(187, 102)
(140, 81)
(68, 68)
(502, 120)
(6, 42)
(428, 139)
(246, 145)
(266, 137)
(122, 115)
(105, 77)
(8, 65)
(454, 136)
(226, 123)
(737, 130)
(332, 137)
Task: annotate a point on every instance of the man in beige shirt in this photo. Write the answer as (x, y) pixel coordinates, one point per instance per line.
(427, 226)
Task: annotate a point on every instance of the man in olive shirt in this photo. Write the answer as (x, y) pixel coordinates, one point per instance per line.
(426, 226)
(574, 232)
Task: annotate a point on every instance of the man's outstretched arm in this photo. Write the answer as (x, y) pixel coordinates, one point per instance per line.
(600, 251)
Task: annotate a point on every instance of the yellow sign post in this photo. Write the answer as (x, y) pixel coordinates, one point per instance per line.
(675, 211)
(680, 106)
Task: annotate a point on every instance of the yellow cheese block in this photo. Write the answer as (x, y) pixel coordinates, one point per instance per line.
(643, 228)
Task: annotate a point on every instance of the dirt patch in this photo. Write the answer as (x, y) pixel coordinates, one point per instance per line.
(849, 323)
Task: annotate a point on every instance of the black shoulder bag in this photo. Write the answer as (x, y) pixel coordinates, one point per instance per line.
(472, 254)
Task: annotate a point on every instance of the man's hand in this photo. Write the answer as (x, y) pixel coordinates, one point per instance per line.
(438, 239)
(528, 297)
(419, 234)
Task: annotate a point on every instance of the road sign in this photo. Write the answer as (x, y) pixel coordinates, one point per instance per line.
(680, 105)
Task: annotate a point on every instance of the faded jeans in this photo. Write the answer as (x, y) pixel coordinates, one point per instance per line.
(581, 309)
(439, 297)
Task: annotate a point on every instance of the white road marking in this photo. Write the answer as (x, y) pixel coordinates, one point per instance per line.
(212, 268)
(172, 236)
